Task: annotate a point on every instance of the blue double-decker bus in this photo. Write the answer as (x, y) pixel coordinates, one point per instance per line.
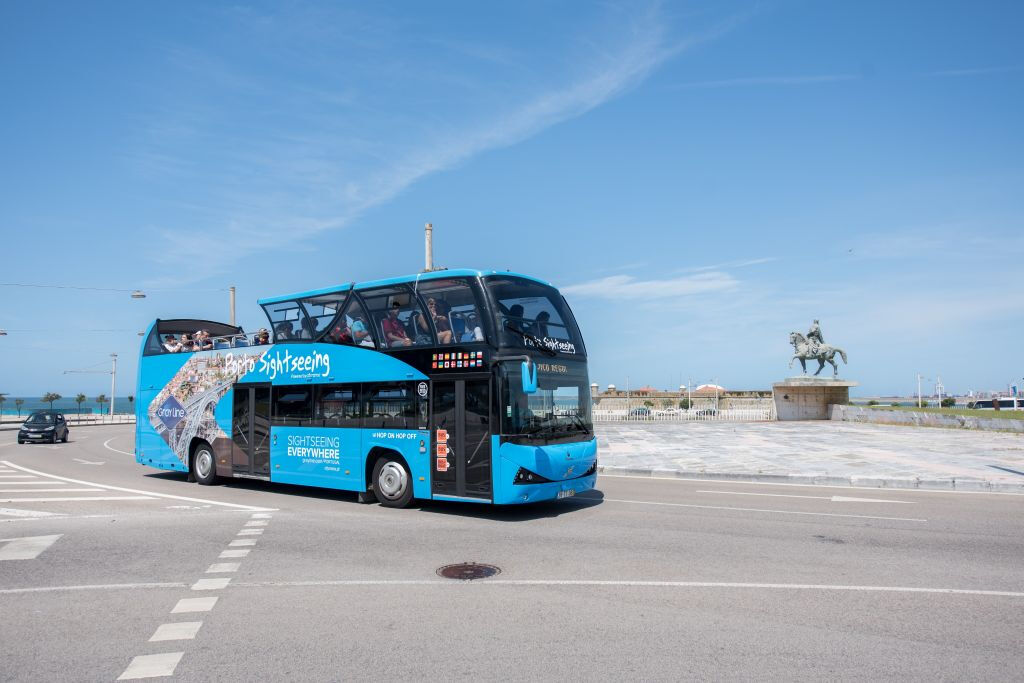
(457, 385)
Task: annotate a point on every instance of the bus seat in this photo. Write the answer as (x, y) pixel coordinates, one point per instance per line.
(221, 344)
(241, 341)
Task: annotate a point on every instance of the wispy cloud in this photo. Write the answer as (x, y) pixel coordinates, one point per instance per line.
(367, 172)
(979, 71)
(767, 80)
(731, 264)
(626, 287)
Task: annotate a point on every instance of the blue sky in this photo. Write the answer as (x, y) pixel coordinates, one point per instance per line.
(699, 178)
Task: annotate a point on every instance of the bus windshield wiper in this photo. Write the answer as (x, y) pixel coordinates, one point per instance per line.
(579, 420)
(529, 337)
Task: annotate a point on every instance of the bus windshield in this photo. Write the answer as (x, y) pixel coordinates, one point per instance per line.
(528, 312)
(559, 408)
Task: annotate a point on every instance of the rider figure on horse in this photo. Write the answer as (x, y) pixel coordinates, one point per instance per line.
(814, 338)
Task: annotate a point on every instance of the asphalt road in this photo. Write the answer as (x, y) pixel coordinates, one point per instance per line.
(642, 579)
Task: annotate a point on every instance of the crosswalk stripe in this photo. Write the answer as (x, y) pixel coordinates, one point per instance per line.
(15, 512)
(27, 548)
(178, 630)
(194, 605)
(152, 666)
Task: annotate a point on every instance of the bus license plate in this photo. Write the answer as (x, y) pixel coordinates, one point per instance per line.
(568, 493)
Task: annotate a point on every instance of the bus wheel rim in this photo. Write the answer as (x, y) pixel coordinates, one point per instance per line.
(204, 463)
(392, 480)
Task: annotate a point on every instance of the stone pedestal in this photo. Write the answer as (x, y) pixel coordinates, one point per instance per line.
(809, 398)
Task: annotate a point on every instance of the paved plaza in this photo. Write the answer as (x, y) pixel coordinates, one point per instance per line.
(823, 451)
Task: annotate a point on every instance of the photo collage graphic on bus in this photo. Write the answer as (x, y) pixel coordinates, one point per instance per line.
(457, 360)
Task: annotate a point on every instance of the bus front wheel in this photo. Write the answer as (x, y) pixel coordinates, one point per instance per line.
(204, 467)
(392, 483)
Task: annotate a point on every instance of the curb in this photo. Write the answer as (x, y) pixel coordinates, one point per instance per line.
(951, 484)
(76, 426)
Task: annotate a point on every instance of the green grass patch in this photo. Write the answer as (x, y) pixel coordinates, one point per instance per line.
(966, 412)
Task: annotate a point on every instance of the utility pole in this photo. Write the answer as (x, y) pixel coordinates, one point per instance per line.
(689, 401)
(429, 265)
(231, 297)
(113, 383)
(919, 390)
(939, 388)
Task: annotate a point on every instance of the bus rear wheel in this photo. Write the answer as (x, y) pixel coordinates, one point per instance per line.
(392, 483)
(204, 467)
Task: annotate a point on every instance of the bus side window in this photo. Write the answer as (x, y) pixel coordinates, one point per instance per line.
(389, 405)
(338, 405)
(293, 406)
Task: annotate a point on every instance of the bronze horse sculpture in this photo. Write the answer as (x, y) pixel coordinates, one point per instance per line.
(804, 350)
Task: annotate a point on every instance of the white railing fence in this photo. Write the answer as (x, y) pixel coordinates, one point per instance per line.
(763, 414)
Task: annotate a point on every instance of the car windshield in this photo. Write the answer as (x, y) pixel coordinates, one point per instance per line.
(40, 418)
(559, 407)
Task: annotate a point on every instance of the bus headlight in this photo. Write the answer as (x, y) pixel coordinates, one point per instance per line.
(525, 476)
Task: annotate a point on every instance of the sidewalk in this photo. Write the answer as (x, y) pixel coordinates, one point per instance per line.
(818, 452)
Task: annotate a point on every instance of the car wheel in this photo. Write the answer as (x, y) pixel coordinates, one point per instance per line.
(204, 465)
(392, 483)
(21, 441)
(53, 438)
(67, 433)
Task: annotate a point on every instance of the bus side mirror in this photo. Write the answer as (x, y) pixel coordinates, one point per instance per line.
(529, 380)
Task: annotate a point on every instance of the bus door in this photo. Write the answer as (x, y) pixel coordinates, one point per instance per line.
(250, 431)
(461, 438)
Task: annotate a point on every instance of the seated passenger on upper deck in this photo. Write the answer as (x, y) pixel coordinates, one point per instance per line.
(262, 337)
(360, 335)
(171, 345)
(283, 331)
(203, 341)
(187, 343)
(309, 330)
(393, 329)
(437, 314)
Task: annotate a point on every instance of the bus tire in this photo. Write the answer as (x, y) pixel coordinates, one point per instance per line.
(392, 483)
(204, 465)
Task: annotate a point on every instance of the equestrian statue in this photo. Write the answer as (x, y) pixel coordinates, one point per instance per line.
(813, 347)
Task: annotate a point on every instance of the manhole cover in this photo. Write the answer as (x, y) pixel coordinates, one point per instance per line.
(468, 571)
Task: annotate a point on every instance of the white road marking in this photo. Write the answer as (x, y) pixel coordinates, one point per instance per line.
(230, 553)
(33, 483)
(152, 666)
(94, 587)
(813, 486)
(250, 532)
(210, 584)
(51, 490)
(106, 444)
(256, 522)
(178, 630)
(721, 507)
(88, 462)
(834, 499)
(223, 567)
(16, 476)
(27, 548)
(260, 515)
(633, 584)
(242, 542)
(251, 508)
(194, 605)
(70, 498)
(15, 512)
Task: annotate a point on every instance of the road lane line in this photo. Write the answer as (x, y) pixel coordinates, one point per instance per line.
(223, 567)
(210, 584)
(152, 666)
(16, 476)
(186, 605)
(225, 554)
(178, 630)
(106, 444)
(33, 483)
(52, 490)
(70, 498)
(834, 499)
(242, 542)
(256, 522)
(250, 532)
(260, 515)
(15, 512)
(902, 490)
(251, 508)
(631, 584)
(722, 507)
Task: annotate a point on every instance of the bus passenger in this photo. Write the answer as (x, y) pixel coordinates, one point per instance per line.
(515, 317)
(444, 328)
(171, 345)
(262, 336)
(394, 330)
(473, 332)
(360, 335)
(283, 331)
(203, 341)
(187, 343)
